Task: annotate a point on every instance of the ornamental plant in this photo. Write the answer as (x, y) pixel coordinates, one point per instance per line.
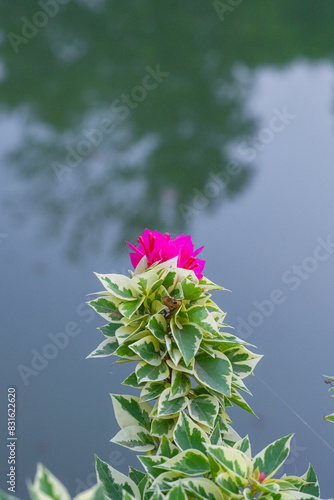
(189, 369)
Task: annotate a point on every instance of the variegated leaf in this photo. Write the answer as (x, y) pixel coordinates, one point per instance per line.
(215, 373)
(118, 285)
(47, 486)
(177, 493)
(152, 390)
(108, 308)
(233, 461)
(148, 348)
(188, 435)
(201, 317)
(243, 361)
(202, 489)
(94, 493)
(135, 437)
(167, 406)
(149, 373)
(158, 326)
(163, 427)
(188, 340)
(271, 458)
(129, 308)
(180, 385)
(190, 462)
(204, 409)
(114, 482)
(106, 348)
(130, 411)
(167, 448)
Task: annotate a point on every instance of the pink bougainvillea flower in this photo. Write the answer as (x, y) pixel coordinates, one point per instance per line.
(159, 247)
(261, 477)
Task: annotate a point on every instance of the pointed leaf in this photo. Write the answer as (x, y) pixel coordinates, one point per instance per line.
(118, 285)
(94, 493)
(46, 485)
(190, 462)
(135, 437)
(152, 390)
(180, 385)
(148, 348)
(148, 373)
(233, 461)
(130, 411)
(114, 482)
(204, 409)
(163, 427)
(271, 458)
(188, 340)
(177, 493)
(202, 488)
(106, 348)
(167, 406)
(158, 326)
(188, 435)
(215, 373)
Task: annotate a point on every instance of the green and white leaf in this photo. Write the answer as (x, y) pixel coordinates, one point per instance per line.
(110, 329)
(149, 463)
(271, 458)
(129, 410)
(149, 373)
(148, 348)
(177, 493)
(204, 409)
(244, 446)
(181, 385)
(94, 493)
(202, 488)
(167, 448)
(172, 350)
(167, 406)
(114, 482)
(188, 340)
(152, 390)
(215, 373)
(201, 317)
(46, 486)
(181, 366)
(190, 462)
(132, 381)
(228, 485)
(238, 400)
(129, 308)
(312, 488)
(107, 307)
(209, 285)
(158, 326)
(136, 475)
(135, 437)
(236, 463)
(106, 348)
(188, 435)
(243, 361)
(163, 427)
(119, 286)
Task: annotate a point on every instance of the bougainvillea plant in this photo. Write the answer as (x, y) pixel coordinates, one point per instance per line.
(189, 370)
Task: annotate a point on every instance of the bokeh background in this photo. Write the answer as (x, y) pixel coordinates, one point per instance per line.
(186, 117)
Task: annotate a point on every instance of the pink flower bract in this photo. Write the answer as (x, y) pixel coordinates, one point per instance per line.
(159, 247)
(262, 477)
